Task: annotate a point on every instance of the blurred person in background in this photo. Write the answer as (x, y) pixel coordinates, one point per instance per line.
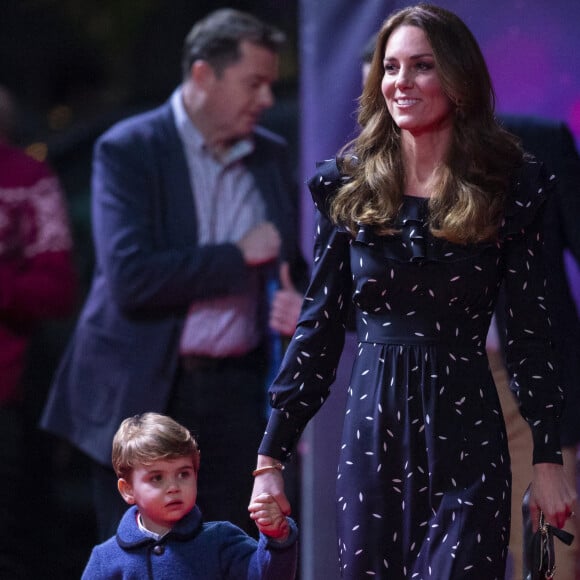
(194, 214)
(37, 282)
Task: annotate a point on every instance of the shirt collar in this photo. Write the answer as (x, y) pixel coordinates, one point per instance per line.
(194, 140)
(146, 531)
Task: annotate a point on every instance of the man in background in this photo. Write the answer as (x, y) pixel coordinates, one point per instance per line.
(194, 215)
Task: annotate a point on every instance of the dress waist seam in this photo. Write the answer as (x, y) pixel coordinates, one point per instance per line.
(421, 341)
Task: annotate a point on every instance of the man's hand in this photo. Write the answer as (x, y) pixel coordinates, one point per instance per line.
(260, 245)
(286, 305)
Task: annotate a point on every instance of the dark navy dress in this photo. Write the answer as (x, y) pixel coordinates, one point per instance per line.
(424, 481)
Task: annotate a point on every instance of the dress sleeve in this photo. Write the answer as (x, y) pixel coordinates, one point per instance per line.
(311, 360)
(529, 347)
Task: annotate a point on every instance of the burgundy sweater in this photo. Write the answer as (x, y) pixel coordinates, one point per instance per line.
(37, 277)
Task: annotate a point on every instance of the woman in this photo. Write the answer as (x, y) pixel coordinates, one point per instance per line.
(431, 209)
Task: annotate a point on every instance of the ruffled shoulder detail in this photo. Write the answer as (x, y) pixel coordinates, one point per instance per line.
(532, 186)
(324, 184)
(413, 242)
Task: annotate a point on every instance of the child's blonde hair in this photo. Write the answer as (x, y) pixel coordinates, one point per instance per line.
(143, 439)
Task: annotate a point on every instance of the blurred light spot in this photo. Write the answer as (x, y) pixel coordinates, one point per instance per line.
(59, 117)
(38, 151)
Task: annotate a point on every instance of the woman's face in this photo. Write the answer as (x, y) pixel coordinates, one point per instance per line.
(411, 86)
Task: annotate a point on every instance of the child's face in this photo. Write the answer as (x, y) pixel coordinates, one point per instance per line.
(164, 492)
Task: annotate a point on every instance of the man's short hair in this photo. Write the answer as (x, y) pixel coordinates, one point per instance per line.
(143, 439)
(216, 39)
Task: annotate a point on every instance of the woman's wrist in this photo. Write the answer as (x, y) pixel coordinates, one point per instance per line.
(264, 460)
(266, 468)
(266, 464)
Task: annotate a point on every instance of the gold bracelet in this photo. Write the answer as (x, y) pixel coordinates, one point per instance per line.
(277, 466)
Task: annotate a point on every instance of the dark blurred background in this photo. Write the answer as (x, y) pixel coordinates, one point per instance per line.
(75, 67)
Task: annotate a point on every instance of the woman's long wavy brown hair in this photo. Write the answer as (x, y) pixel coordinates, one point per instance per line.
(473, 181)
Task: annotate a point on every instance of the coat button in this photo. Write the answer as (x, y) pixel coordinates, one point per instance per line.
(158, 549)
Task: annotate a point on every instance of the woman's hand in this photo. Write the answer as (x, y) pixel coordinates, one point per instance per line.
(551, 493)
(270, 482)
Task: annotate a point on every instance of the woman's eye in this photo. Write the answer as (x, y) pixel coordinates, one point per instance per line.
(390, 68)
(424, 66)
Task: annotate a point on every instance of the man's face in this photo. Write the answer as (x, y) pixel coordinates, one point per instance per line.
(237, 98)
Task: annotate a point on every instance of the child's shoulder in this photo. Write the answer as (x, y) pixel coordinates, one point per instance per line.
(223, 528)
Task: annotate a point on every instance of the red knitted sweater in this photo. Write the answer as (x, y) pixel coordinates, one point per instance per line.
(37, 278)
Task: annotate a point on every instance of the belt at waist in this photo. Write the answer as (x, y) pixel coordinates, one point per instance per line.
(191, 363)
(397, 331)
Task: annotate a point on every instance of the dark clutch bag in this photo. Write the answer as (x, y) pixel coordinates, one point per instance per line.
(539, 557)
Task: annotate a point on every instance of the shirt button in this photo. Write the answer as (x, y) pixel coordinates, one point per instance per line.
(159, 549)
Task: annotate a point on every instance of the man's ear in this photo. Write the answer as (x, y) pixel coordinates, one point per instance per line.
(202, 73)
(126, 490)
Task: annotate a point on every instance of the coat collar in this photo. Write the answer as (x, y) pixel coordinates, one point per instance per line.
(129, 536)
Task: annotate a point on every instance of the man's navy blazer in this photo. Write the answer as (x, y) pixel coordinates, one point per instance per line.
(123, 356)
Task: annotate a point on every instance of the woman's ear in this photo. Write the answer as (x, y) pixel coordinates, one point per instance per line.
(126, 490)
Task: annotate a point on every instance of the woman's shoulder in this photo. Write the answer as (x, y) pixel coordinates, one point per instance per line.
(325, 183)
(531, 186)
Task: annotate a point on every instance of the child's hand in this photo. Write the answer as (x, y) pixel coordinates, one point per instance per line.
(269, 517)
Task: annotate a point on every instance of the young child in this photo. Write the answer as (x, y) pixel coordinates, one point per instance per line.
(162, 534)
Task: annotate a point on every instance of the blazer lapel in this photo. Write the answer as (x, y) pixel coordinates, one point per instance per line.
(181, 214)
